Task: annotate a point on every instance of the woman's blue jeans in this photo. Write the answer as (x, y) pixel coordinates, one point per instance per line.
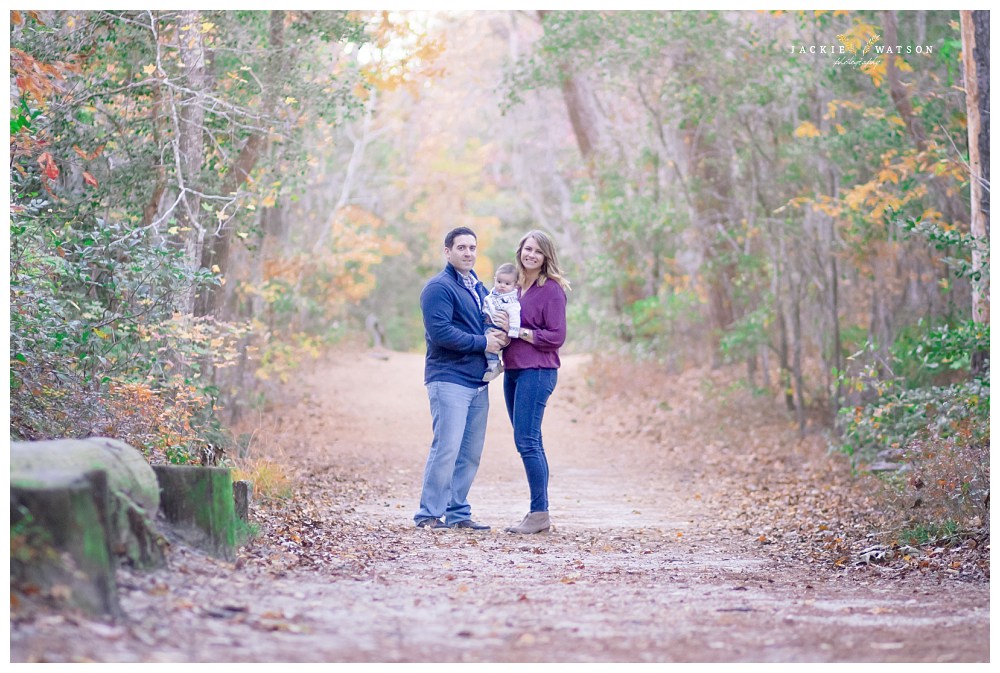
(526, 391)
(458, 417)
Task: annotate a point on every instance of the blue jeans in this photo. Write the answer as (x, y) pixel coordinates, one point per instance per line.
(492, 359)
(458, 418)
(526, 392)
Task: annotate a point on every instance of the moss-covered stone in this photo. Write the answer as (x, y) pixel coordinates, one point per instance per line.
(198, 502)
(134, 494)
(59, 541)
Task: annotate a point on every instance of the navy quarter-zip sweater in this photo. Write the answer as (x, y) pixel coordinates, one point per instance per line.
(453, 328)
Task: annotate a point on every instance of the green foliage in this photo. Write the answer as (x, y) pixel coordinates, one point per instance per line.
(745, 337)
(926, 387)
(103, 267)
(907, 406)
(940, 434)
(900, 416)
(928, 533)
(652, 322)
(925, 355)
(957, 245)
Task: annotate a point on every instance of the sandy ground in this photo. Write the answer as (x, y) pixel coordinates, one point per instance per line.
(644, 563)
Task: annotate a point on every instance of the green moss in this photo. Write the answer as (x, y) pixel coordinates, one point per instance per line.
(94, 543)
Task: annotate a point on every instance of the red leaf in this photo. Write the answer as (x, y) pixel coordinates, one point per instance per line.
(89, 179)
(84, 155)
(48, 165)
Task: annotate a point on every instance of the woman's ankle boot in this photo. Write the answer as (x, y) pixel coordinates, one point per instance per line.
(534, 522)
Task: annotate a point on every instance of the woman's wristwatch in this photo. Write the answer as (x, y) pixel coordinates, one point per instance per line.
(524, 333)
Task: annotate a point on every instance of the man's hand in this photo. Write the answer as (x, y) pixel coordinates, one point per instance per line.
(495, 341)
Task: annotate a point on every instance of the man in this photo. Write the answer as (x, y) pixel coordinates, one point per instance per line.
(451, 303)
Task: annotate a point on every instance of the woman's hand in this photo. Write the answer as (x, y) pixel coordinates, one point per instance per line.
(526, 335)
(503, 322)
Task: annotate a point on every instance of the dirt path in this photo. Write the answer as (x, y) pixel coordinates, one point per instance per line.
(646, 562)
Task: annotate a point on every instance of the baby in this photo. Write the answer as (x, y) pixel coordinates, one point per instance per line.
(503, 297)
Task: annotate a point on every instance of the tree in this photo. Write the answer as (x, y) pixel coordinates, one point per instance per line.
(976, 67)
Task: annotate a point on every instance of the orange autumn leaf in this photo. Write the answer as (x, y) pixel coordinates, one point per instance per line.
(48, 165)
(89, 179)
(85, 156)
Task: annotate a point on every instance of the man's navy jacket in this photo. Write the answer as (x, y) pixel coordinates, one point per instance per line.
(453, 328)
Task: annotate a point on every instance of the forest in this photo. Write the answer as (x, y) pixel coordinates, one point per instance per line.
(202, 202)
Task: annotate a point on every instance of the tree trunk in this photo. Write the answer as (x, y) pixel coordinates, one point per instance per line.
(582, 108)
(897, 90)
(836, 345)
(784, 363)
(795, 322)
(152, 207)
(189, 121)
(216, 253)
(976, 61)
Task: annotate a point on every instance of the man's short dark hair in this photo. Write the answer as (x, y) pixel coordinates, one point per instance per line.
(449, 239)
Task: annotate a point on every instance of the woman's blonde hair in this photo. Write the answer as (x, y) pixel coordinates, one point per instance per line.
(550, 267)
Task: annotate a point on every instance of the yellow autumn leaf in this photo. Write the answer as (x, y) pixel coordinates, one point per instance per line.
(216, 269)
(149, 69)
(856, 197)
(902, 65)
(831, 110)
(876, 71)
(207, 26)
(897, 120)
(807, 130)
(172, 230)
(289, 100)
(840, 129)
(888, 175)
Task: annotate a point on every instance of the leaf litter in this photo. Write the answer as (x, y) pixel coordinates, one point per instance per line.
(746, 543)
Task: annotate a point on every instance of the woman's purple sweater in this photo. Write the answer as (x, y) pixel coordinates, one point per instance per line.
(543, 311)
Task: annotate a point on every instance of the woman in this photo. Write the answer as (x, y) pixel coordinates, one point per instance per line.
(531, 364)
